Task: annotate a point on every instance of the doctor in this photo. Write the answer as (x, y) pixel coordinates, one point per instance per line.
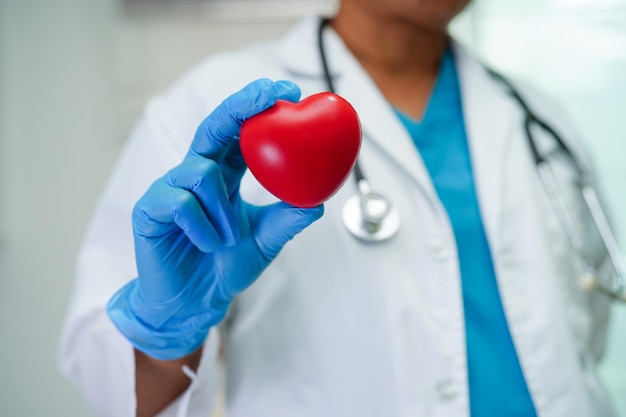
(473, 308)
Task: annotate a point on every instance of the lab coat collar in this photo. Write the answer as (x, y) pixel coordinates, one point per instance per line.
(299, 52)
(487, 111)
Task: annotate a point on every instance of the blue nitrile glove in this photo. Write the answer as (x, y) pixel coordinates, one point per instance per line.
(197, 243)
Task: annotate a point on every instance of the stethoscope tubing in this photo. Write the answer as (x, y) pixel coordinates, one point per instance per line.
(617, 291)
(359, 177)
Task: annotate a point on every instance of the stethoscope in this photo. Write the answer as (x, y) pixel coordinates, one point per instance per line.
(372, 217)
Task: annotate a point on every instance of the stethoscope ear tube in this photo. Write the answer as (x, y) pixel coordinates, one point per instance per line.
(610, 242)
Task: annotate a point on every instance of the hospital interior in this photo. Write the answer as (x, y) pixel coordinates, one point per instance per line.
(75, 75)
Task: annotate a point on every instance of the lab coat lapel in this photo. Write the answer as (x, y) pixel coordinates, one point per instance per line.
(489, 123)
(381, 127)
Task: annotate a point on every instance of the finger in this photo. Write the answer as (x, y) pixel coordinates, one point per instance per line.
(278, 223)
(218, 130)
(164, 207)
(203, 178)
(233, 167)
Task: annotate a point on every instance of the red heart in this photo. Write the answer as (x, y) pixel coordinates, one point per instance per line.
(303, 152)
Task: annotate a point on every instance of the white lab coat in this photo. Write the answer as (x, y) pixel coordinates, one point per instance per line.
(336, 327)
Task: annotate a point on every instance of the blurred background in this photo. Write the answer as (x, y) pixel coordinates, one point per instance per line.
(74, 75)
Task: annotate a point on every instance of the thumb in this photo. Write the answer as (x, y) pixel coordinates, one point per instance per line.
(276, 224)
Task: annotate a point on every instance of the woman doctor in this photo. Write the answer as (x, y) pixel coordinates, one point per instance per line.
(473, 308)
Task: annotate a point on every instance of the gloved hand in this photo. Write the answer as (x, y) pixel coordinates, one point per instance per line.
(197, 243)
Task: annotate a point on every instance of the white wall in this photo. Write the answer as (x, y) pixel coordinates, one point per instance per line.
(74, 75)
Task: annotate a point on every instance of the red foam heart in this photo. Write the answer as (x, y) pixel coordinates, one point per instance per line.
(303, 152)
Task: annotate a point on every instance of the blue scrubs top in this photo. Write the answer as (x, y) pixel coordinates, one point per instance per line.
(496, 383)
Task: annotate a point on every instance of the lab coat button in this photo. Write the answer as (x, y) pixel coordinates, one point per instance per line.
(438, 249)
(445, 390)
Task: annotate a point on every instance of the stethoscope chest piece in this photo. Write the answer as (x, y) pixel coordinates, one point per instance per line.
(371, 217)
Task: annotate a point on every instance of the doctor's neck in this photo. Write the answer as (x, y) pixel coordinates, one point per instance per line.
(401, 55)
